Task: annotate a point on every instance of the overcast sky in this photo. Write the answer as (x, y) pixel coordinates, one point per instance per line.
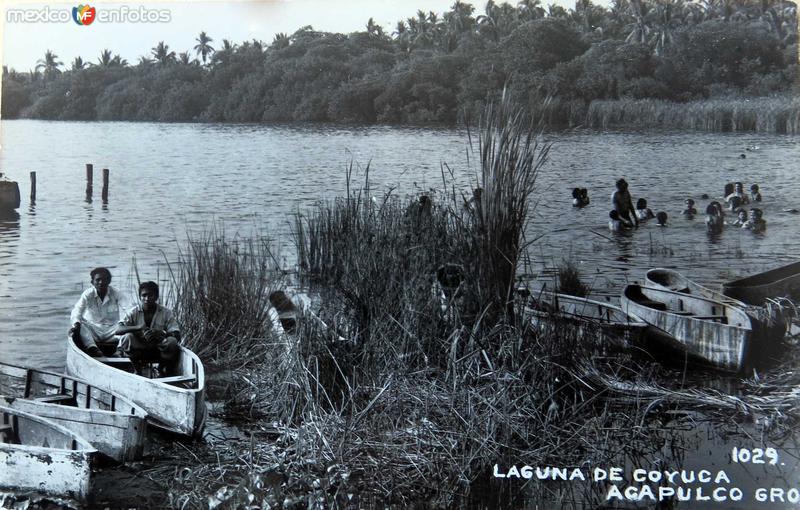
(25, 43)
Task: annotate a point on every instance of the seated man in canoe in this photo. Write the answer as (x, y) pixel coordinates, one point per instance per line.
(95, 316)
(150, 333)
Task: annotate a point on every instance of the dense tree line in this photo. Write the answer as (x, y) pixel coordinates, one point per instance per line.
(434, 68)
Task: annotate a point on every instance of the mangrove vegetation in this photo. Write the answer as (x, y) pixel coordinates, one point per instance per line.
(643, 63)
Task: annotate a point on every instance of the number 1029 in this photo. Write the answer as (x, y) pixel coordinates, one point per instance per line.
(754, 456)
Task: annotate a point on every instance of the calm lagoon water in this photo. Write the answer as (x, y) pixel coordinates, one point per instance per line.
(170, 179)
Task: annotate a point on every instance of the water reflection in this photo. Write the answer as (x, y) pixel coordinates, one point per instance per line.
(623, 240)
(9, 223)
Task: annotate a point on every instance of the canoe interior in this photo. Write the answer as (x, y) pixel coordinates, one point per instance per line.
(578, 308)
(188, 378)
(669, 280)
(17, 428)
(19, 382)
(676, 282)
(687, 305)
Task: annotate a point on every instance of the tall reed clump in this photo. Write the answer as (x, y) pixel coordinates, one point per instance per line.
(511, 157)
(220, 294)
(777, 114)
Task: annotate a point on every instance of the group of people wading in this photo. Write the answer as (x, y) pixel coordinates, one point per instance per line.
(145, 333)
(624, 216)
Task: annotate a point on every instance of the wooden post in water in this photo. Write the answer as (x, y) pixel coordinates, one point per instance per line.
(89, 181)
(105, 185)
(33, 187)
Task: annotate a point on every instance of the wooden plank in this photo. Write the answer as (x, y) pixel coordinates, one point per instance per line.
(102, 359)
(710, 317)
(55, 399)
(177, 379)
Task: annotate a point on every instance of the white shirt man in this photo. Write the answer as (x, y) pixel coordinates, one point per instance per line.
(96, 314)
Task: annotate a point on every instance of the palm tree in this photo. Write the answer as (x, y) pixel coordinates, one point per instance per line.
(203, 48)
(49, 64)
(402, 36)
(556, 11)
(498, 20)
(223, 54)
(639, 28)
(77, 64)
(281, 41)
(144, 61)
(184, 58)
(118, 61)
(105, 59)
(530, 9)
(459, 19)
(375, 30)
(587, 15)
(162, 54)
(664, 15)
(487, 24)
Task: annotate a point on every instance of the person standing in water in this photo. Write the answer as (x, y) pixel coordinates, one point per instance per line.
(622, 203)
(755, 194)
(690, 211)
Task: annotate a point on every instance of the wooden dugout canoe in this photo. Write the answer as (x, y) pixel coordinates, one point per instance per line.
(670, 279)
(767, 324)
(754, 290)
(710, 331)
(114, 424)
(41, 456)
(608, 317)
(174, 403)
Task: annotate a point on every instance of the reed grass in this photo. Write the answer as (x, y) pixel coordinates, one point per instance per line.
(569, 279)
(220, 294)
(779, 114)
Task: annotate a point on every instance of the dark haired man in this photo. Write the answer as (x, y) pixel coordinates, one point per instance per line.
(94, 317)
(150, 333)
(622, 203)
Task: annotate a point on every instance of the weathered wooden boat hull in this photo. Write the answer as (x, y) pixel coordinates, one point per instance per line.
(43, 457)
(177, 409)
(707, 330)
(670, 279)
(9, 195)
(756, 289)
(115, 425)
(768, 325)
(609, 318)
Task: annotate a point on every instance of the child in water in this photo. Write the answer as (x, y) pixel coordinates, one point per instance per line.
(735, 204)
(661, 218)
(690, 210)
(642, 211)
(755, 194)
(756, 223)
(615, 223)
(580, 197)
(714, 219)
(741, 218)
